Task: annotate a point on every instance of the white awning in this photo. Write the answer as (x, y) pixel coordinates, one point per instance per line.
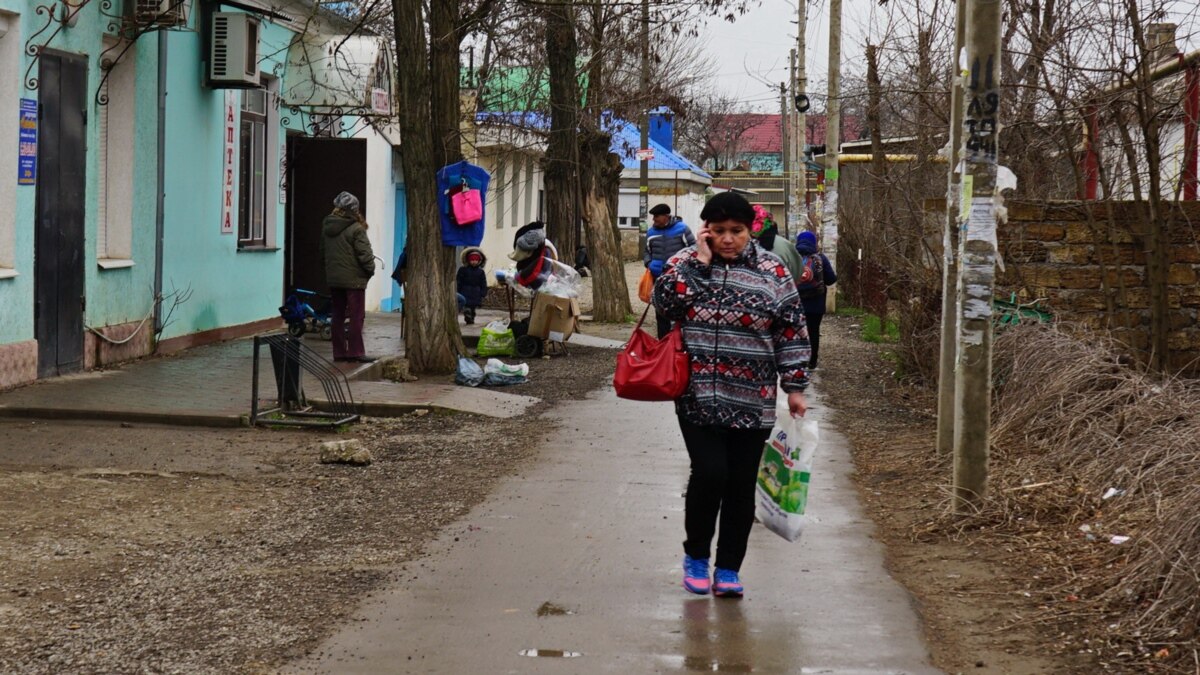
(346, 75)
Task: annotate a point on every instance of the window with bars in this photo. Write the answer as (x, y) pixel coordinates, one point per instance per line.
(252, 172)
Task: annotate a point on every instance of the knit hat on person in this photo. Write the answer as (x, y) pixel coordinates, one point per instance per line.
(728, 206)
(346, 202)
(660, 210)
(806, 243)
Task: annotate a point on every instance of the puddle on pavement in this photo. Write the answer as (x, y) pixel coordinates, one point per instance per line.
(550, 609)
(552, 653)
(704, 664)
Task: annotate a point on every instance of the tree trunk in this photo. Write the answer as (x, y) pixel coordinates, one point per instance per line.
(561, 178)
(431, 335)
(444, 66)
(601, 177)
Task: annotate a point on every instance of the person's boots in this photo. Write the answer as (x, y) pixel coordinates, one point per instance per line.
(469, 315)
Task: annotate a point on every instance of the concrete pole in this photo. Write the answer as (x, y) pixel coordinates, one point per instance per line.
(800, 131)
(784, 118)
(833, 133)
(644, 164)
(788, 226)
(945, 415)
(977, 248)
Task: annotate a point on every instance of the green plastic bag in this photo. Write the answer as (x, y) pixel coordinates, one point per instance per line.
(497, 339)
(784, 474)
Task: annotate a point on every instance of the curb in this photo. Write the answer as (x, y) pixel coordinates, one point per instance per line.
(178, 419)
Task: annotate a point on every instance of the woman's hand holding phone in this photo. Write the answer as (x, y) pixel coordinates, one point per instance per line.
(704, 251)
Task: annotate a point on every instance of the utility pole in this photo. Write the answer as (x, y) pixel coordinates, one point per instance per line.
(977, 256)
(787, 154)
(644, 164)
(789, 111)
(833, 133)
(800, 130)
(945, 410)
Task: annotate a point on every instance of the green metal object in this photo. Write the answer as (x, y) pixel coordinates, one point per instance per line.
(1009, 312)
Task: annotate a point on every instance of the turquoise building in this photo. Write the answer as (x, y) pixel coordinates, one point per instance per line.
(174, 159)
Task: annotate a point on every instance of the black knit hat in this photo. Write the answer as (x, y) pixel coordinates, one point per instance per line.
(660, 210)
(728, 206)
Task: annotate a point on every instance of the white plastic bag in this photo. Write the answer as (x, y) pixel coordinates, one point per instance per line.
(498, 367)
(784, 473)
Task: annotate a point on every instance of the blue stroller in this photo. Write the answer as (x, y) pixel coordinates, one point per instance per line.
(302, 317)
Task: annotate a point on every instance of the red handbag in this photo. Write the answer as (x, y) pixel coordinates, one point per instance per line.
(652, 370)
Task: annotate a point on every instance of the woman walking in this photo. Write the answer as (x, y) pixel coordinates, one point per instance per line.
(349, 264)
(813, 292)
(743, 328)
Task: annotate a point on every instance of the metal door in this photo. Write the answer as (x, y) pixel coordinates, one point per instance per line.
(58, 240)
(318, 169)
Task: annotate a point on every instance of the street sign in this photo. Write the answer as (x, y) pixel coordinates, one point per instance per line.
(645, 154)
(27, 143)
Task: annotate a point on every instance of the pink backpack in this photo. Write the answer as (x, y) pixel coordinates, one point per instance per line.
(466, 205)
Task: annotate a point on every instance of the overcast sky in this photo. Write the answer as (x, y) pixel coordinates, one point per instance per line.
(753, 51)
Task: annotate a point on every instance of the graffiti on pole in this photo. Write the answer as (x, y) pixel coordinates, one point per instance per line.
(980, 121)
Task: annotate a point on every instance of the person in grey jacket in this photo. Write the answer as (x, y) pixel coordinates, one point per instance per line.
(667, 237)
(349, 265)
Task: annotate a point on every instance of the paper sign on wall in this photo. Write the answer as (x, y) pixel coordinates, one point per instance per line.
(27, 143)
(227, 169)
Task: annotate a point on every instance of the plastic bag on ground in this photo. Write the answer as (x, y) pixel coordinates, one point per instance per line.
(468, 374)
(496, 339)
(784, 474)
(499, 367)
(497, 373)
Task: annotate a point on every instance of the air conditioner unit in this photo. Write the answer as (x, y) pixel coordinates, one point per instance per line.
(233, 51)
(167, 13)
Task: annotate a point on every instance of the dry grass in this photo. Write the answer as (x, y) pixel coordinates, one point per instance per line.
(1072, 422)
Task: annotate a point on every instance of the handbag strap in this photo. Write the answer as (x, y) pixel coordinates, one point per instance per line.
(643, 319)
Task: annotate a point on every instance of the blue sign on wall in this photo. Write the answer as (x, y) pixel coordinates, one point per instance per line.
(27, 152)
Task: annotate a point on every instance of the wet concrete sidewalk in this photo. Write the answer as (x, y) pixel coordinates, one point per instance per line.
(578, 559)
(211, 386)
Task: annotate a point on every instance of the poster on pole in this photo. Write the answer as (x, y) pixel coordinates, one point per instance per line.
(27, 143)
(645, 155)
(228, 169)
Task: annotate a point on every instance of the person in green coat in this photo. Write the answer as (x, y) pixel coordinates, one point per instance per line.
(766, 231)
(349, 264)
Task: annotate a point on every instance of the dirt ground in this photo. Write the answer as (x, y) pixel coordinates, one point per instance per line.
(132, 548)
(982, 608)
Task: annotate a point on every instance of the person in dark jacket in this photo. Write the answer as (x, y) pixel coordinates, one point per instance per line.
(744, 330)
(813, 294)
(472, 282)
(349, 265)
(667, 236)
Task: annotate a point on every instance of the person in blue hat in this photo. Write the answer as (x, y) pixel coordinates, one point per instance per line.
(816, 278)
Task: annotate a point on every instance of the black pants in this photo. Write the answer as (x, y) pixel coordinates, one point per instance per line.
(814, 335)
(664, 324)
(724, 472)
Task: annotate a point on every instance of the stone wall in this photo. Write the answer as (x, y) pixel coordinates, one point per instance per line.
(1088, 262)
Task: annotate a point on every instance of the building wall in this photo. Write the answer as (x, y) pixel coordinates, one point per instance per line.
(381, 215)
(118, 295)
(514, 200)
(229, 286)
(1091, 271)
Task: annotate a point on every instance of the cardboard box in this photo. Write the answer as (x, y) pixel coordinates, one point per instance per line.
(553, 318)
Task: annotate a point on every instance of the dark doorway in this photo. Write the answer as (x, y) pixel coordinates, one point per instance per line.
(318, 169)
(58, 241)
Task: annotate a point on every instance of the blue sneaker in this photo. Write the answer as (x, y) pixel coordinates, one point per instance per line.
(695, 575)
(726, 584)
